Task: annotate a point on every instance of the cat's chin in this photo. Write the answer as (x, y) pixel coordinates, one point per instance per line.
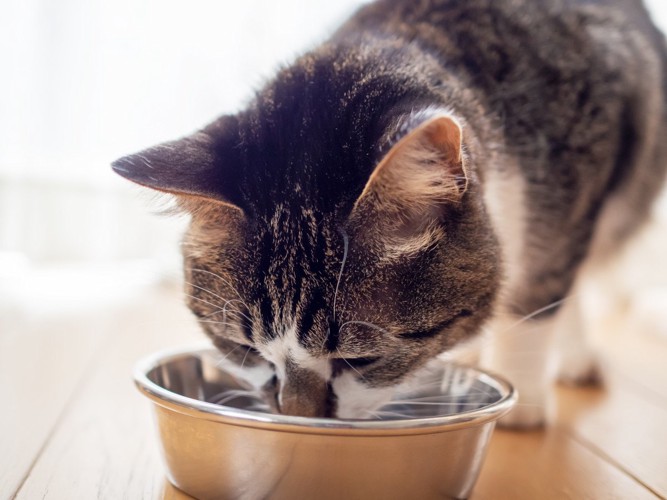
(360, 401)
(355, 400)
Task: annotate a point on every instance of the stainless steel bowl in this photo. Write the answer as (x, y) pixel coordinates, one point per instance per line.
(427, 443)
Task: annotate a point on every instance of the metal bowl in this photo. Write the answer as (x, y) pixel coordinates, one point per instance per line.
(427, 443)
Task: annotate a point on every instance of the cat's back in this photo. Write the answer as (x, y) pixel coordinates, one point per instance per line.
(539, 61)
(540, 65)
(450, 14)
(513, 30)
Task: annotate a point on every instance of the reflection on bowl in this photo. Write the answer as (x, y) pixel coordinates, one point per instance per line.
(427, 443)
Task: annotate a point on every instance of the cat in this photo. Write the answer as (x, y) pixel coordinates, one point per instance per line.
(435, 169)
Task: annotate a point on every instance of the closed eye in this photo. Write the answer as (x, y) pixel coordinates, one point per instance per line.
(359, 362)
(432, 332)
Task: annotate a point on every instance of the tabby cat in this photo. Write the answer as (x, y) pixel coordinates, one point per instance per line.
(435, 169)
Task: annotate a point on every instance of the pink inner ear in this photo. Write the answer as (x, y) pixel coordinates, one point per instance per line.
(445, 134)
(407, 193)
(423, 170)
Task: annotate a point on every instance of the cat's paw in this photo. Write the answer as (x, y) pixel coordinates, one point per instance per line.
(524, 418)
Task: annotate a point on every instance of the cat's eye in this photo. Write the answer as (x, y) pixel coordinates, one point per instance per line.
(359, 362)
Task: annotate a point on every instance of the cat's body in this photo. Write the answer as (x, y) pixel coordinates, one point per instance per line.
(435, 167)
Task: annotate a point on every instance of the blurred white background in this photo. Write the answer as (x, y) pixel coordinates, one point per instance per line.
(85, 82)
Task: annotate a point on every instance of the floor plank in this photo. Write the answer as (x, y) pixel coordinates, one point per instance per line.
(31, 351)
(634, 355)
(106, 446)
(550, 465)
(622, 425)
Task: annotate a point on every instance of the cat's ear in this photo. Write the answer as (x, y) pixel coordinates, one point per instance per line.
(419, 177)
(185, 167)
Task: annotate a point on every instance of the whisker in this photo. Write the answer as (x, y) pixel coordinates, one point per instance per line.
(226, 323)
(230, 395)
(223, 394)
(342, 267)
(202, 300)
(419, 386)
(205, 290)
(218, 308)
(430, 403)
(324, 341)
(221, 309)
(217, 311)
(236, 311)
(444, 397)
(244, 357)
(233, 394)
(490, 334)
(226, 302)
(383, 413)
(537, 312)
(221, 360)
(221, 279)
(348, 364)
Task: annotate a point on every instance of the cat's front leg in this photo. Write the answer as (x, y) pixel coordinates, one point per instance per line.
(520, 349)
(577, 363)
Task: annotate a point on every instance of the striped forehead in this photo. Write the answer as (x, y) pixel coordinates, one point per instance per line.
(293, 246)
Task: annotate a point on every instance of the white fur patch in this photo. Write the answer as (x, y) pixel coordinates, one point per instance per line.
(355, 399)
(520, 350)
(577, 362)
(287, 346)
(516, 349)
(504, 198)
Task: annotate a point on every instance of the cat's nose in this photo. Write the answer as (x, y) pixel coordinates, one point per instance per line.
(303, 406)
(304, 393)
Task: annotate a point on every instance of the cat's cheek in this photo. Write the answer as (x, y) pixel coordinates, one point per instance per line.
(354, 399)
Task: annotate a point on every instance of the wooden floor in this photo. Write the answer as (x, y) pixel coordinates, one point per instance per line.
(72, 426)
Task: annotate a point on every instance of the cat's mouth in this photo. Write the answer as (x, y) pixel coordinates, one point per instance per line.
(361, 404)
(344, 397)
(436, 390)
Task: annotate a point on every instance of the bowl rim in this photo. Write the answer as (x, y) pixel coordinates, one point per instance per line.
(248, 418)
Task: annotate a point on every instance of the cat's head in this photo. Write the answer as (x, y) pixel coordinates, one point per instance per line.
(337, 239)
